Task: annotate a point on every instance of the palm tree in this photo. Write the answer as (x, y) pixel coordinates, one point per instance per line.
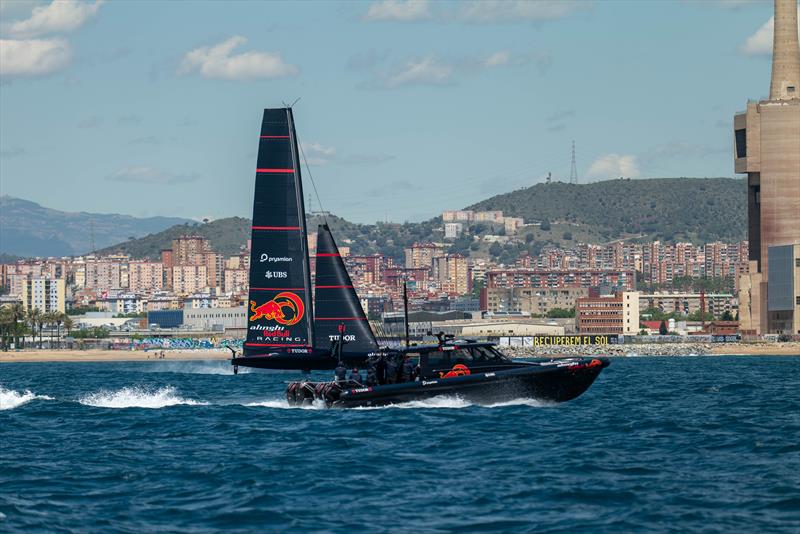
(6, 326)
(49, 319)
(18, 314)
(69, 324)
(58, 318)
(33, 316)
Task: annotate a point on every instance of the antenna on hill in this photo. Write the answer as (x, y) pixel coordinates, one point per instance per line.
(573, 171)
(91, 235)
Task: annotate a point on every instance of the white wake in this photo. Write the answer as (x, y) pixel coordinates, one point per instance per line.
(197, 368)
(434, 403)
(137, 397)
(284, 405)
(10, 399)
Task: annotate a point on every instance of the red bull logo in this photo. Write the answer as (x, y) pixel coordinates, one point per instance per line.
(286, 309)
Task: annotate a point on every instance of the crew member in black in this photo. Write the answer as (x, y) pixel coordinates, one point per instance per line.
(391, 369)
(341, 372)
(408, 369)
(372, 376)
(355, 375)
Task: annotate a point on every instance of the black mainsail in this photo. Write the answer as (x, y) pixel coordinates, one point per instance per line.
(280, 308)
(336, 302)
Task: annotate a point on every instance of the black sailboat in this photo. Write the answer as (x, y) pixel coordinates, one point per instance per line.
(286, 330)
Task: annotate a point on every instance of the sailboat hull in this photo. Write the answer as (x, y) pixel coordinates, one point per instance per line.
(314, 360)
(552, 381)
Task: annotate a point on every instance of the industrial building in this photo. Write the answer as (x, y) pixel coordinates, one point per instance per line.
(767, 149)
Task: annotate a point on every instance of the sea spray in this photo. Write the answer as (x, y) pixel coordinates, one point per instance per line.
(10, 399)
(137, 397)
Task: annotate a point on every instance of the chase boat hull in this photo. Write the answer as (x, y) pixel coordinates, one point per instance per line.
(553, 381)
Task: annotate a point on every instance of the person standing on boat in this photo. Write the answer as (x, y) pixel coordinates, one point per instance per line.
(355, 376)
(341, 372)
(391, 369)
(372, 375)
(408, 369)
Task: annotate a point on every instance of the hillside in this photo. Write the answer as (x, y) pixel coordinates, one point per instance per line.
(669, 209)
(227, 236)
(28, 229)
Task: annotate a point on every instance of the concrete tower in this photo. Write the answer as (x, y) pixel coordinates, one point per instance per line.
(785, 83)
(767, 149)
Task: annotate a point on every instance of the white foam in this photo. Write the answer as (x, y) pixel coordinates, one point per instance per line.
(442, 401)
(434, 403)
(284, 405)
(533, 403)
(10, 399)
(197, 368)
(137, 397)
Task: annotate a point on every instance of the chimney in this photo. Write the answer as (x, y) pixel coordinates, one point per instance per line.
(785, 83)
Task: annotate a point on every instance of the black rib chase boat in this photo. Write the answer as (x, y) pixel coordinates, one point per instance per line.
(286, 330)
(467, 369)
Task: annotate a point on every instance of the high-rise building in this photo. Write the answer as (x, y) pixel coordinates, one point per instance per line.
(43, 294)
(146, 276)
(185, 248)
(421, 255)
(767, 149)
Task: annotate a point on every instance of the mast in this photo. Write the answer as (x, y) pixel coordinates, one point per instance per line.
(405, 311)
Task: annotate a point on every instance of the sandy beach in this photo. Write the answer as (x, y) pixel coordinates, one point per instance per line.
(732, 349)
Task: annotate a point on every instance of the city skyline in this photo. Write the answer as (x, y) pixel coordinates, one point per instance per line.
(386, 111)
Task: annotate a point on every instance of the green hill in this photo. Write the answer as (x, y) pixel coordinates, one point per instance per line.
(669, 209)
(227, 236)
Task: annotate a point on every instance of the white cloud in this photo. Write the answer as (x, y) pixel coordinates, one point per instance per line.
(488, 11)
(425, 71)
(614, 166)
(760, 43)
(218, 62)
(398, 10)
(317, 154)
(144, 174)
(497, 59)
(58, 17)
(34, 57)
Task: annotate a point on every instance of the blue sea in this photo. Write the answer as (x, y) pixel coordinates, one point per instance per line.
(678, 444)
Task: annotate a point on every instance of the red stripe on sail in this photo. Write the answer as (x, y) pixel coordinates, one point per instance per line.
(340, 318)
(277, 289)
(276, 228)
(327, 254)
(334, 287)
(276, 344)
(275, 170)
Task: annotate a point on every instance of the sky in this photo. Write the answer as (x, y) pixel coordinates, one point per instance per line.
(406, 108)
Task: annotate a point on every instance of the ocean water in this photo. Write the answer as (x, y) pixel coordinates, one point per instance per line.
(675, 444)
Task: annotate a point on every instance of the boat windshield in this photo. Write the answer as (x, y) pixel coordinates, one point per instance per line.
(487, 354)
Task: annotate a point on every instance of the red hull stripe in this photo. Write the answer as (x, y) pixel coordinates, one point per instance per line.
(278, 288)
(334, 287)
(275, 170)
(326, 254)
(340, 318)
(276, 228)
(275, 344)
(274, 137)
